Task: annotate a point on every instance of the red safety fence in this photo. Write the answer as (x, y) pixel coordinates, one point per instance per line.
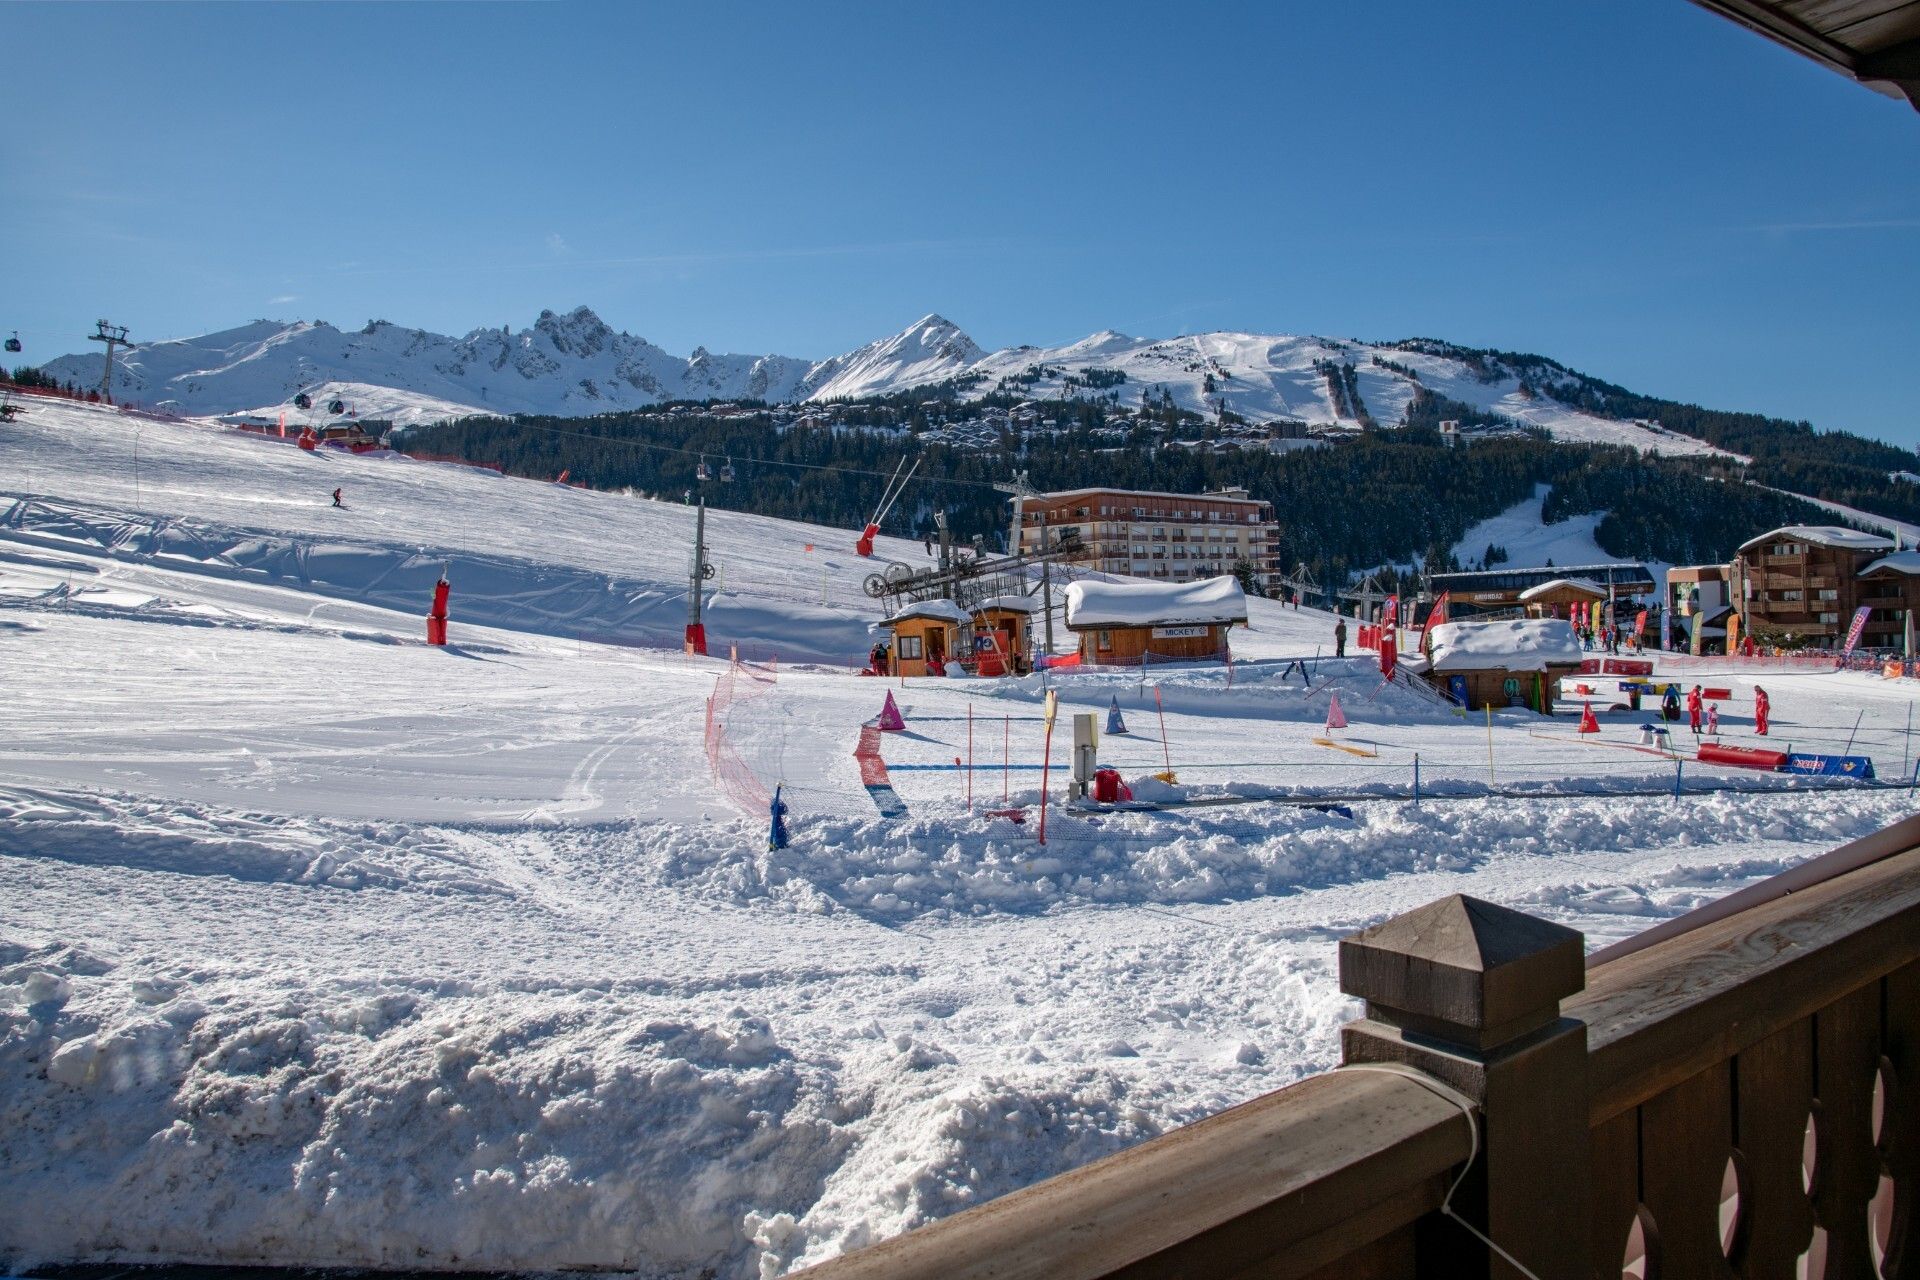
(730, 773)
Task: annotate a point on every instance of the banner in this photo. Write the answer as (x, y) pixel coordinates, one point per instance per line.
(1389, 636)
(1640, 627)
(1666, 624)
(1435, 617)
(1859, 625)
(1733, 634)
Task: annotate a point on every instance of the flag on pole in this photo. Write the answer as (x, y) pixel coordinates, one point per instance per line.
(1051, 707)
(1860, 616)
(283, 424)
(1336, 718)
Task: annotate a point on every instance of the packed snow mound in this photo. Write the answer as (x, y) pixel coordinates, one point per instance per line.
(1519, 644)
(1132, 603)
(575, 364)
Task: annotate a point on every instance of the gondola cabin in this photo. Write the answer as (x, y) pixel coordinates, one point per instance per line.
(1000, 635)
(927, 635)
(1130, 623)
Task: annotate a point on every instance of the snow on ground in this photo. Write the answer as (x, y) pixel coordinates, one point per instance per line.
(320, 946)
(1529, 541)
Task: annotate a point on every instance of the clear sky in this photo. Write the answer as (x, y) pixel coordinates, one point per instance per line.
(1634, 187)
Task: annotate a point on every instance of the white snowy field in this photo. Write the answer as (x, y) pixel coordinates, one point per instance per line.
(320, 946)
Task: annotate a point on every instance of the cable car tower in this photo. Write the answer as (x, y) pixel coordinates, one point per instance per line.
(112, 335)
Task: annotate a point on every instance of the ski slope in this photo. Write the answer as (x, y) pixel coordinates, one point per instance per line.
(323, 947)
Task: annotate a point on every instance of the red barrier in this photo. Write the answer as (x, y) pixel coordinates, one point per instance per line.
(1589, 666)
(1743, 757)
(1623, 667)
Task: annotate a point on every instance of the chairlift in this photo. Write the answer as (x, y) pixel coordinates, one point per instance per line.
(303, 401)
(13, 343)
(726, 471)
(703, 472)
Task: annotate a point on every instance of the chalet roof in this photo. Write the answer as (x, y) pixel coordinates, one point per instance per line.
(1907, 562)
(1147, 493)
(1012, 603)
(1519, 645)
(1825, 535)
(1582, 585)
(1871, 41)
(1152, 604)
(942, 610)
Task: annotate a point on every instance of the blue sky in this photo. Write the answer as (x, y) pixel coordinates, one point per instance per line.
(1634, 187)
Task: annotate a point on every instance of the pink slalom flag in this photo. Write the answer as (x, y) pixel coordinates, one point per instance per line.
(1336, 718)
(891, 721)
(283, 424)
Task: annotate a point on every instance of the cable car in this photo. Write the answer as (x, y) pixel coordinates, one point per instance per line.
(336, 407)
(726, 471)
(702, 472)
(13, 343)
(303, 401)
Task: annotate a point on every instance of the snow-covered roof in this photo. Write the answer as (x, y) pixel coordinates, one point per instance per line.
(1147, 604)
(1593, 589)
(1011, 603)
(944, 610)
(1520, 645)
(1826, 535)
(1898, 562)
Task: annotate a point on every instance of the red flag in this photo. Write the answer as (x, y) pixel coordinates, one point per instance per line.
(1435, 617)
(283, 424)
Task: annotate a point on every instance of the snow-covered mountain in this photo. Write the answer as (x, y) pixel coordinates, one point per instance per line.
(575, 364)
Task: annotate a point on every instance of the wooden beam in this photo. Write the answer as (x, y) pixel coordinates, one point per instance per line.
(1660, 1015)
(1328, 1166)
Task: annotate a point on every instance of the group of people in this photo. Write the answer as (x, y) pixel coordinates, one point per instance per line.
(1699, 710)
(1608, 638)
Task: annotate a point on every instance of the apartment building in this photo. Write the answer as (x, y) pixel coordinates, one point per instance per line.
(1806, 581)
(1176, 537)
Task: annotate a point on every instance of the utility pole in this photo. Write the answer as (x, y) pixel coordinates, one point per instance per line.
(946, 555)
(1046, 585)
(1019, 489)
(113, 336)
(701, 571)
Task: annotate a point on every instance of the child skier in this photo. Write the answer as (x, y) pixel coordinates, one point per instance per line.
(1713, 720)
(336, 499)
(1762, 708)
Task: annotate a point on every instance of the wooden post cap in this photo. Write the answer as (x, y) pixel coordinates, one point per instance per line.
(1463, 970)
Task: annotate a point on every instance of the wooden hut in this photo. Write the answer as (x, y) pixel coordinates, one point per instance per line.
(1500, 664)
(1000, 635)
(1554, 598)
(1128, 623)
(925, 636)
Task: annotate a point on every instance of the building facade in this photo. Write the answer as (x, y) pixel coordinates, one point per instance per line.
(1803, 583)
(1504, 590)
(1174, 537)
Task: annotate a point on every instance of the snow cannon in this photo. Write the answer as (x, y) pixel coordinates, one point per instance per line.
(437, 620)
(1589, 723)
(864, 547)
(696, 642)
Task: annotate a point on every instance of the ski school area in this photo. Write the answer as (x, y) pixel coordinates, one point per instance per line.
(386, 885)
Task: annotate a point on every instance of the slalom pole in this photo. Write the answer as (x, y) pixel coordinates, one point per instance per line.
(1006, 758)
(1046, 761)
(1490, 744)
(1906, 746)
(969, 757)
(1848, 749)
(1165, 753)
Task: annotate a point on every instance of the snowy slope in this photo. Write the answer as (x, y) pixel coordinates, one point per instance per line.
(323, 947)
(574, 364)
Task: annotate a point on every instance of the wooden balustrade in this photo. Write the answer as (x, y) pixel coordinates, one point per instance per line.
(1736, 1094)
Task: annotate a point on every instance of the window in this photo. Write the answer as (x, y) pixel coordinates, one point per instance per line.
(1105, 639)
(1830, 619)
(1829, 593)
(908, 647)
(1792, 595)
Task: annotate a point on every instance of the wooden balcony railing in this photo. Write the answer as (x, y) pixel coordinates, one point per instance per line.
(1733, 1093)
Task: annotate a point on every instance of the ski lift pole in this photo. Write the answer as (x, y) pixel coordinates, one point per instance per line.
(969, 757)
(1166, 753)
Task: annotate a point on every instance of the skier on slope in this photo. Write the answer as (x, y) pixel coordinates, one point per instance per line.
(1713, 720)
(1762, 709)
(1693, 709)
(1670, 704)
(1340, 638)
(336, 499)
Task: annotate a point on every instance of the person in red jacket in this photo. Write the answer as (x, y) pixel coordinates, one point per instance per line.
(1694, 703)
(1762, 708)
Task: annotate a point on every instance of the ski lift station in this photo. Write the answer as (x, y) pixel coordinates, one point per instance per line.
(1130, 623)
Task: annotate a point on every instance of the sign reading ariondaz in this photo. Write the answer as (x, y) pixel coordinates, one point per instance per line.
(1179, 633)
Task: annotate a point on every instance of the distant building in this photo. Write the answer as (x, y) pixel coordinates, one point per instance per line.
(1806, 581)
(1134, 623)
(1178, 537)
(1505, 589)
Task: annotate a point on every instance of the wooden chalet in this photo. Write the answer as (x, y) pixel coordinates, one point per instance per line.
(1000, 644)
(1517, 663)
(1129, 623)
(925, 636)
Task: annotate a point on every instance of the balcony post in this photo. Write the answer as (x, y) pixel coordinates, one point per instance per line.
(1469, 993)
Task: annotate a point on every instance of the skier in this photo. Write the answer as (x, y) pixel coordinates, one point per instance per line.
(1762, 708)
(1670, 704)
(336, 499)
(1633, 697)
(1713, 720)
(1340, 638)
(1693, 710)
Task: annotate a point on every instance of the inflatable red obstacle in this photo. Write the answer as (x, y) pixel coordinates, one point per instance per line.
(437, 620)
(890, 720)
(1742, 757)
(1588, 722)
(1716, 695)
(696, 645)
